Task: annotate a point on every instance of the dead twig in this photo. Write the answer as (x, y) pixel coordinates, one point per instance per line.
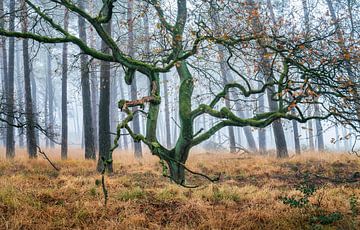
(44, 155)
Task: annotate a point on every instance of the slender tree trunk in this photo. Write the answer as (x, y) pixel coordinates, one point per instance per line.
(64, 113)
(10, 142)
(319, 136)
(113, 108)
(50, 89)
(227, 77)
(337, 137)
(344, 138)
(247, 130)
(104, 123)
(94, 83)
(167, 113)
(46, 109)
(94, 103)
(319, 130)
(279, 135)
(311, 133)
(4, 62)
(3, 49)
(296, 138)
(19, 95)
(34, 105)
(224, 72)
(262, 131)
(30, 120)
(85, 92)
(76, 118)
(136, 120)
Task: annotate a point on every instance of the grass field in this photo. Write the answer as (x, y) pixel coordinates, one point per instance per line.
(248, 196)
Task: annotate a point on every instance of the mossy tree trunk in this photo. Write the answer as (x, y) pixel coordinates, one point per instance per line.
(183, 144)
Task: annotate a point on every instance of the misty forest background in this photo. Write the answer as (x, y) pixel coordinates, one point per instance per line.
(58, 88)
(187, 114)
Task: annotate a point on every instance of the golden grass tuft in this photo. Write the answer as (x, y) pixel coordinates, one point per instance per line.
(34, 196)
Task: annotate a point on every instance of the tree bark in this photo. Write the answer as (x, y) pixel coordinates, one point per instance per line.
(64, 110)
(104, 103)
(30, 120)
(311, 132)
(19, 95)
(4, 62)
(88, 130)
(3, 49)
(319, 130)
(50, 88)
(113, 108)
(262, 131)
(94, 83)
(34, 105)
(167, 113)
(10, 142)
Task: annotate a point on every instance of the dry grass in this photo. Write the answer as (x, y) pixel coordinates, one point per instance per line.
(34, 196)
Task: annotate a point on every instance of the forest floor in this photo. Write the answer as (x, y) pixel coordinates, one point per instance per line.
(249, 195)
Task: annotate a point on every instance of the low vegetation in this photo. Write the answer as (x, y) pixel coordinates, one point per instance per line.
(309, 191)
